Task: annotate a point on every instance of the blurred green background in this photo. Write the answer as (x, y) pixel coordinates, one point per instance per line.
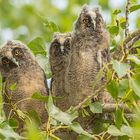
(28, 19)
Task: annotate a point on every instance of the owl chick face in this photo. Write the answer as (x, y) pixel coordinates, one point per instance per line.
(88, 20)
(60, 45)
(13, 54)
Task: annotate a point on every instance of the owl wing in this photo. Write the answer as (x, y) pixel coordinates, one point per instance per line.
(3, 84)
(46, 83)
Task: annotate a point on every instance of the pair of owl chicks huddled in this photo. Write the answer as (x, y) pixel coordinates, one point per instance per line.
(77, 57)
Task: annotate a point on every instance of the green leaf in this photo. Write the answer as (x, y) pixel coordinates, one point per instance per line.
(138, 50)
(53, 26)
(135, 84)
(57, 114)
(136, 125)
(13, 86)
(33, 132)
(83, 137)
(114, 131)
(43, 62)
(134, 59)
(38, 96)
(116, 12)
(13, 123)
(133, 1)
(120, 68)
(113, 89)
(113, 29)
(8, 133)
(78, 129)
(103, 3)
(38, 46)
(96, 107)
(118, 118)
(127, 130)
(122, 22)
(53, 122)
(123, 87)
(137, 43)
(134, 7)
(108, 74)
(113, 46)
(34, 116)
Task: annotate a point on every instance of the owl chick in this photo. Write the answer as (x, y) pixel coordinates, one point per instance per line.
(89, 52)
(59, 61)
(18, 67)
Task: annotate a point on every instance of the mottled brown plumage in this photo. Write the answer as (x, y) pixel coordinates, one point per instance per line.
(19, 67)
(59, 61)
(89, 52)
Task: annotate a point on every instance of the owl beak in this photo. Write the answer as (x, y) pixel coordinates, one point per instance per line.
(62, 48)
(15, 62)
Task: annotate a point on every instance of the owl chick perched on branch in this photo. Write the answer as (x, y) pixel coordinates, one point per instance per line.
(59, 61)
(89, 52)
(18, 67)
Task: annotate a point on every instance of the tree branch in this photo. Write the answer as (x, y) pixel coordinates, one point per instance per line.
(133, 41)
(131, 36)
(111, 107)
(127, 18)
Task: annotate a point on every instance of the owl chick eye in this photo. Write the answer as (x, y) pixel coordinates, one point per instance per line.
(5, 61)
(56, 44)
(86, 20)
(17, 52)
(67, 42)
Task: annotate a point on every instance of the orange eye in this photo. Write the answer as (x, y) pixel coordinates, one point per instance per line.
(85, 20)
(5, 61)
(67, 42)
(56, 44)
(18, 52)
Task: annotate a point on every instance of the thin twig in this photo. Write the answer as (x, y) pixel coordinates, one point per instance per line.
(59, 127)
(133, 42)
(127, 18)
(126, 42)
(134, 36)
(125, 46)
(131, 36)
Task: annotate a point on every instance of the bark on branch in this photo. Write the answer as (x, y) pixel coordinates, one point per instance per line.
(131, 36)
(112, 108)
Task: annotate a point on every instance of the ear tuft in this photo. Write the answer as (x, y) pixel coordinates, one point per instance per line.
(56, 34)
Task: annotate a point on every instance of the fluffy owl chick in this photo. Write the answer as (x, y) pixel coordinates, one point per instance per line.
(19, 67)
(89, 52)
(59, 61)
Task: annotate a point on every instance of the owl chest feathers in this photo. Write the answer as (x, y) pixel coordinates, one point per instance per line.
(86, 55)
(58, 64)
(27, 81)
